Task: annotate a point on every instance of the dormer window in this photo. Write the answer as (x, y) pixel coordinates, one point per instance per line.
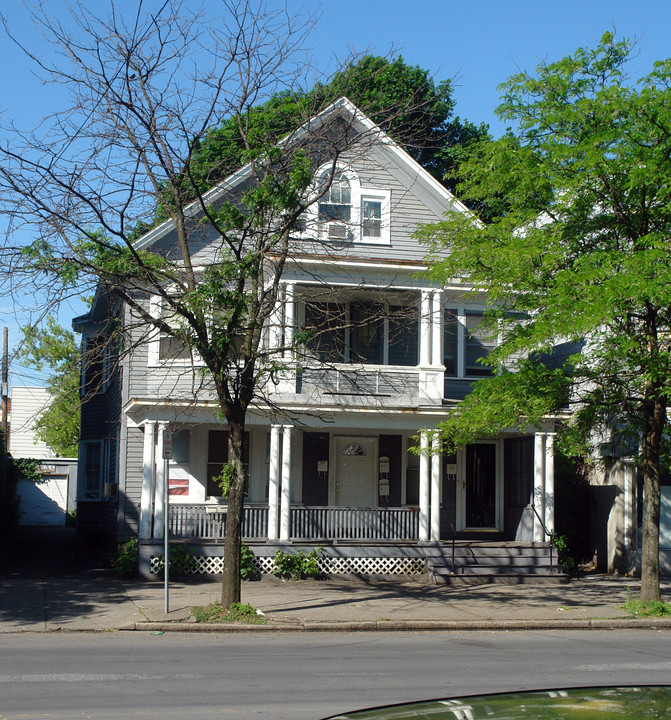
(335, 210)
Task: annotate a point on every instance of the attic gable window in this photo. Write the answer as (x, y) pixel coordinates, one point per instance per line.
(335, 210)
(348, 211)
(371, 218)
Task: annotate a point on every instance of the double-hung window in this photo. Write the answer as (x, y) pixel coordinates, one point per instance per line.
(466, 342)
(371, 218)
(335, 209)
(166, 346)
(92, 469)
(349, 212)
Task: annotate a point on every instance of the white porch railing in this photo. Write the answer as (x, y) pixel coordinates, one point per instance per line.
(366, 380)
(208, 522)
(354, 523)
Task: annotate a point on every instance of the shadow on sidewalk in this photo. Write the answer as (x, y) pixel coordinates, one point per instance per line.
(48, 574)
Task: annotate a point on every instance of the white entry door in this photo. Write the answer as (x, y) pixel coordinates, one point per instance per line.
(355, 464)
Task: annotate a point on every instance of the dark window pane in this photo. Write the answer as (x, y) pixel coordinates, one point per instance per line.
(450, 342)
(479, 343)
(217, 456)
(403, 335)
(367, 333)
(326, 323)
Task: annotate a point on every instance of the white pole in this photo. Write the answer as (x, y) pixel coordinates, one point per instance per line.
(435, 488)
(166, 535)
(273, 481)
(538, 499)
(285, 492)
(146, 501)
(424, 487)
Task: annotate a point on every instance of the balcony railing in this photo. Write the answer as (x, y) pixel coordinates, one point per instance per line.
(358, 380)
(208, 522)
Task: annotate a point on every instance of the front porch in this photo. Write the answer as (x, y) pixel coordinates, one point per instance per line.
(455, 562)
(357, 541)
(205, 521)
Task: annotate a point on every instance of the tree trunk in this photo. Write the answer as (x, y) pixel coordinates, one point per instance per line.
(652, 435)
(230, 590)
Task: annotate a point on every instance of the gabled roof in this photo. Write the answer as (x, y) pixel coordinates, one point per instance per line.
(344, 108)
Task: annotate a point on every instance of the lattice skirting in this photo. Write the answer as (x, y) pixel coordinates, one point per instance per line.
(327, 564)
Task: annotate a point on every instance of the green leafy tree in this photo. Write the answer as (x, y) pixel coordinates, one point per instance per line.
(401, 98)
(578, 252)
(52, 347)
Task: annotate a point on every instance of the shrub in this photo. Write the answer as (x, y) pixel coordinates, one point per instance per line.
(297, 565)
(563, 553)
(125, 561)
(248, 569)
(181, 561)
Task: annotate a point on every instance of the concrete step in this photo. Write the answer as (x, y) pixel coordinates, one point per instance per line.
(475, 563)
(486, 551)
(509, 579)
(494, 570)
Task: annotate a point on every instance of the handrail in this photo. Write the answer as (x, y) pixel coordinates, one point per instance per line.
(547, 532)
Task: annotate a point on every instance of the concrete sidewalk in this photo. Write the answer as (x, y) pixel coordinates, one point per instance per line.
(71, 590)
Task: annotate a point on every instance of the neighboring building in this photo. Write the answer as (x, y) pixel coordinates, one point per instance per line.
(50, 501)
(329, 456)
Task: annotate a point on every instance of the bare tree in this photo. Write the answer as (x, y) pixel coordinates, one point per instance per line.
(123, 164)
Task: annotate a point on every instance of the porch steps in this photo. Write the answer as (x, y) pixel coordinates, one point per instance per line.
(476, 563)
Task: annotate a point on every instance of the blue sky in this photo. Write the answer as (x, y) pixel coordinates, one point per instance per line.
(477, 45)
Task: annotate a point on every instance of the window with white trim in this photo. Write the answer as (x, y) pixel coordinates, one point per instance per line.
(362, 332)
(465, 342)
(165, 348)
(335, 208)
(348, 212)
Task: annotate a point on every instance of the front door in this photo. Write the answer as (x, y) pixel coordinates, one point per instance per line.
(355, 462)
(480, 491)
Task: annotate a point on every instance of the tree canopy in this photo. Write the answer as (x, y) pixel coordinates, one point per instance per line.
(52, 347)
(403, 99)
(577, 255)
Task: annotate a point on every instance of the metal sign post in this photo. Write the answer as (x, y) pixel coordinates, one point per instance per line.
(166, 455)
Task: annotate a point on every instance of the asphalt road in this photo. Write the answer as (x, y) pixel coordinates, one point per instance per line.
(303, 676)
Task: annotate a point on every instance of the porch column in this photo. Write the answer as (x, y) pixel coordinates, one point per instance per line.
(285, 509)
(275, 326)
(435, 488)
(629, 527)
(144, 531)
(425, 329)
(424, 462)
(436, 329)
(289, 320)
(274, 481)
(538, 499)
(161, 480)
(549, 493)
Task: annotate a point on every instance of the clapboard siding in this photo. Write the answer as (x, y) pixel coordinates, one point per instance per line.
(132, 486)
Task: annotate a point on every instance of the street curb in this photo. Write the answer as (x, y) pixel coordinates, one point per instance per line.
(413, 625)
